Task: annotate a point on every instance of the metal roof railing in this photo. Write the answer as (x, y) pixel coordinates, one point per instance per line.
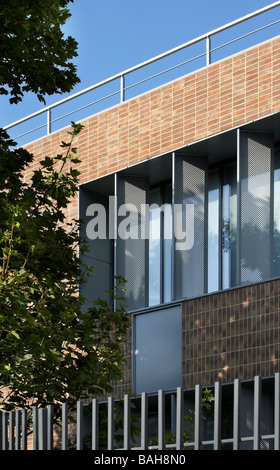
(209, 49)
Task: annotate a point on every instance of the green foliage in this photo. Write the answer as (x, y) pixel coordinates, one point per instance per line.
(52, 348)
(35, 56)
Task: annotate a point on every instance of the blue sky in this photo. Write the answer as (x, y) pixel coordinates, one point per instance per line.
(114, 35)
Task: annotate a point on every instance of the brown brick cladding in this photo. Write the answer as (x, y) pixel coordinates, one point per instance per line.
(232, 334)
(227, 94)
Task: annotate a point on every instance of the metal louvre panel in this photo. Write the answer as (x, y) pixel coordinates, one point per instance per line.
(255, 206)
(189, 190)
(132, 241)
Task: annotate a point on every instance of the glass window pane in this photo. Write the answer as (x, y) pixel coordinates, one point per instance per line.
(155, 248)
(167, 254)
(229, 227)
(213, 232)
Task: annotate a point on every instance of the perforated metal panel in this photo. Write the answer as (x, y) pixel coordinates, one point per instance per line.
(255, 206)
(132, 244)
(189, 190)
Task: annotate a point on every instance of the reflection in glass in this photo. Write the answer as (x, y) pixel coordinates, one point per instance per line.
(229, 227)
(213, 232)
(155, 248)
(160, 245)
(222, 226)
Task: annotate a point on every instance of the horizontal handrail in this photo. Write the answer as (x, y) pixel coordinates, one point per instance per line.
(122, 75)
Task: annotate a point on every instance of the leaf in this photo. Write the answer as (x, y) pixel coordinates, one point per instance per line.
(15, 334)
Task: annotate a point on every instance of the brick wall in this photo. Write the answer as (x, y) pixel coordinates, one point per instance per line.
(232, 334)
(225, 95)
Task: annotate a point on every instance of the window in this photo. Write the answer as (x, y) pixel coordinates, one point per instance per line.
(222, 226)
(160, 244)
(235, 229)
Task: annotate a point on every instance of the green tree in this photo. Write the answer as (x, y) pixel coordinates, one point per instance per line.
(35, 56)
(52, 349)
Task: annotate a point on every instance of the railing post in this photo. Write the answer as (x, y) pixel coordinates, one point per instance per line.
(49, 121)
(122, 88)
(208, 50)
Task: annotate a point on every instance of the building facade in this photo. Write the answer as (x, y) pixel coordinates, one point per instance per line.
(180, 195)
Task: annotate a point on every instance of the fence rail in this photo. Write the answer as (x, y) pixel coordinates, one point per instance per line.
(206, 53)
(14, 429)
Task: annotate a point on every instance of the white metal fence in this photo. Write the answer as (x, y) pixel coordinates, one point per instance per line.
(262, 24)
(259, 435)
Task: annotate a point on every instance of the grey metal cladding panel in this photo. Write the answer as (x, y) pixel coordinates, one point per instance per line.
(190, 188)
(255, 206)
(132, 252)
(100, 254)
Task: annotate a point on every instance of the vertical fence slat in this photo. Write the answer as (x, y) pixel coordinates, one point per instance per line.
(236, 415)
(144, 421)
(197, 418)
(161, 420)
(79, 425)
(95, 427)
(11, 430)
(64, 426)
(24, 429)
(5, 431)
(35, 428)
(1, 424)
(42, 429)
(179, 419)
(50, 427)
(257, 412)
(217, 416)
(277, 411)
(13, 425)
(127, 417)
(110, 432)
(18, 430)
